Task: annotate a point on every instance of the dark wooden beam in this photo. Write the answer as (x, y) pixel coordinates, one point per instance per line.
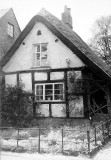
(108, 98)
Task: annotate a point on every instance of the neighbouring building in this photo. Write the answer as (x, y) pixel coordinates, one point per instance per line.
(9, 30)
(54, 63)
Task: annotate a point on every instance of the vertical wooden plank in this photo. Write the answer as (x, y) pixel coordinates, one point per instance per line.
(18, 137)
(84, 82)
(95, 136)
(108, 98)
(0, 92)
(66, 94)
(18, 79)
(88, 139)
(108, 128)
(62, 141)
(50, 110)
(103, 133)
(88, 98)
(33, 91)
(48, 76)
(39, 142)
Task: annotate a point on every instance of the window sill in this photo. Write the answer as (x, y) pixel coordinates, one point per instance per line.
(41, 67)
(50, 101)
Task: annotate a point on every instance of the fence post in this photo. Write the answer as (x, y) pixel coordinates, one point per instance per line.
(18, 137)
(95, 136)
(62, 141)
(103, 133)
(88, 139)
(108, 129)
(39, 142)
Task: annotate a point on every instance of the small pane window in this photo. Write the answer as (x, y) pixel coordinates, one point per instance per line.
(38, 56)
(10, 29)
(43, 47)
(38, 47)
(40, 52)
(58, 91)
(47, 92)
(39, 92)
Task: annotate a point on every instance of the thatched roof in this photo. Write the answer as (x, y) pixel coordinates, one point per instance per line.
(3, 12)
(68, 37)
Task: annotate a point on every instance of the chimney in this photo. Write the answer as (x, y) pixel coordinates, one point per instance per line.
(66, 17)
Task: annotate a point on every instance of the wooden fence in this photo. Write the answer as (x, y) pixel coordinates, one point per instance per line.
(62, 141)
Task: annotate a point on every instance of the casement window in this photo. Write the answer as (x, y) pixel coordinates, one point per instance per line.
(40, 55)
(10, 29)
(49, 92)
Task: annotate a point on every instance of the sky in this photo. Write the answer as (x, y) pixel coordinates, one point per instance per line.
(84, 12)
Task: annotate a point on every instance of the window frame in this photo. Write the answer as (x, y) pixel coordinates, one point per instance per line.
(10, 29)
(53, 92)
(41, 55)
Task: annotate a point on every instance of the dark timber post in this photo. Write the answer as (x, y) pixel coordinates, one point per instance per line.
(18, 137)
(108, 98)
(39, 142)
(103, 133)
(88, 139)
(0, 92)
(66, 95)
(88, 97)
(33, 97)
(108, 128)
(95, 136)
(62, 141)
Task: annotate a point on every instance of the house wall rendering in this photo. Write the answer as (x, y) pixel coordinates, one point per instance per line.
(42, 62)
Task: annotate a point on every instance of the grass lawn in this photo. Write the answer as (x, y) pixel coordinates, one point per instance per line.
(71, 141)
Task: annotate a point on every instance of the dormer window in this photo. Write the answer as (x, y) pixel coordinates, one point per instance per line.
(40, 55)
(10, 30)
(38, 32)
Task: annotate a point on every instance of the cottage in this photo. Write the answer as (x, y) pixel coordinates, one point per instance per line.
(9, 30)
(54, 63)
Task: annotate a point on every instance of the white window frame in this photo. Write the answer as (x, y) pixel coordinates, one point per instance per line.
(10, 29)
(53, 84)
(42, 54)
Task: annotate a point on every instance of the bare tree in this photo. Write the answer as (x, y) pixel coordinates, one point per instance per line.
(101, 40)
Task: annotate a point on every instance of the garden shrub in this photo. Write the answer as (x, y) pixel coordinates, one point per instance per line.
(34, 132)
(7, 133)
(53, 137)
(22, 135)
(16, 106)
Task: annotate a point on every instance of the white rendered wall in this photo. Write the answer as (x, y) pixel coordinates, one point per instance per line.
(43, 110)
(58, 53)
(11, 79)
(56, 75)
(26, 79)
(40, 76)
(58, 110)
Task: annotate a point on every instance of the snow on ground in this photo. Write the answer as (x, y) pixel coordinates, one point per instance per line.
(103, 154)
(35, 156)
